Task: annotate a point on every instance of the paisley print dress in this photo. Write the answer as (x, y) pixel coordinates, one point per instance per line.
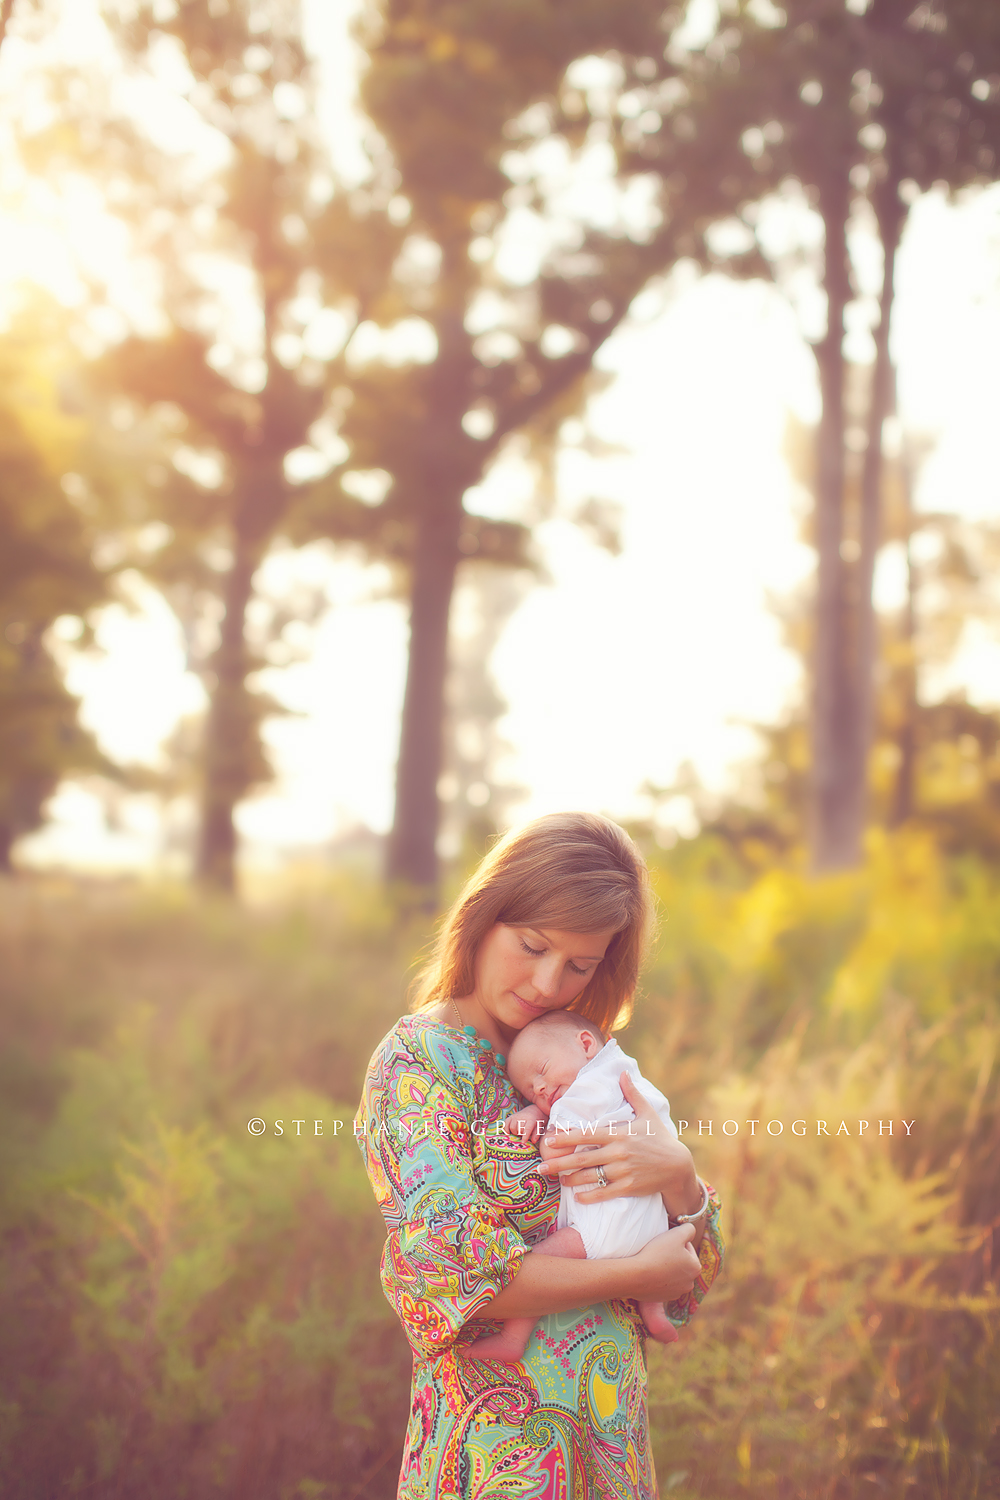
(462, 1204)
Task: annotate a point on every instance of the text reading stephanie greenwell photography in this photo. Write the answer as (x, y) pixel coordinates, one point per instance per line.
(415, 1130)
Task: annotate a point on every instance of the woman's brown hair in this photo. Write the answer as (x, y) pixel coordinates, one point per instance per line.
(575, 872)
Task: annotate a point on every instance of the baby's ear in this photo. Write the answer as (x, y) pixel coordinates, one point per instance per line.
(590, 1043)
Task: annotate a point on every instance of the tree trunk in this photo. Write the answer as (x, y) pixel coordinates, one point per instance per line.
(835, 841)
(880, 406)
(412, 855)
(904, 794)
(226, 729)
(450, 463)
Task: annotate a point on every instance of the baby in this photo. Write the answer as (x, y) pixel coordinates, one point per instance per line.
(564, 1066)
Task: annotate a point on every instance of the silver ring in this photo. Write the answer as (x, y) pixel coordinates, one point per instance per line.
(602, 1180)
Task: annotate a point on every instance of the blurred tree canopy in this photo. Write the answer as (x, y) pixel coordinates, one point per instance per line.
(856, 109)
(347, 363)
(6, 10)
(463, 103)
(47, 571)
(236, 391)
(467, 101)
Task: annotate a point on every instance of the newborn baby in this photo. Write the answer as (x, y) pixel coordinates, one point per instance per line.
(564, 1066)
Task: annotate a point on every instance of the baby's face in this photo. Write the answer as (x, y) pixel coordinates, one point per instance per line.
(543, 1064)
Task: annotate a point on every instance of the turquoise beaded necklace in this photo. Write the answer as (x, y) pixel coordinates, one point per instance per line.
(473, 1035)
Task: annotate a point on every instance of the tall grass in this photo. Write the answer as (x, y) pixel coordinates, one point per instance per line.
(192, 1311)
(852, 1348)
(189, 1310)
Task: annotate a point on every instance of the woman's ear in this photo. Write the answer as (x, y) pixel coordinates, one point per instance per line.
(590, 1043)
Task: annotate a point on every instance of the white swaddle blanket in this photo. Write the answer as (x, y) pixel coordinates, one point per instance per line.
(621, 1226)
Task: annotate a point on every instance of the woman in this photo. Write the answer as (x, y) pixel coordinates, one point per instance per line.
(555, 917)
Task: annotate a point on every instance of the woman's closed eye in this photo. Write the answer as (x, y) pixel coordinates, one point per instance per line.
(537, 953)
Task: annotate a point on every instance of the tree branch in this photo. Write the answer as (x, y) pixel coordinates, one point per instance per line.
(647, 261)
(562, 376)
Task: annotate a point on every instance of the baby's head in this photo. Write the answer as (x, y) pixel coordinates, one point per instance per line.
(547, 1054)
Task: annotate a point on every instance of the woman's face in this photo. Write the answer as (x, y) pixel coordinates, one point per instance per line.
(522, 972)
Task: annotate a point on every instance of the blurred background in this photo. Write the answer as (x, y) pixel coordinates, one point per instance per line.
(415, 418)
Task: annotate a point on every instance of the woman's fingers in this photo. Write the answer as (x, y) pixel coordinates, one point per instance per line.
(562, 1141)
(646, 1123)
(671, 1263)
(579, 1171)
(580, 1161)
(640, 1104)
(641, 1158)
(592, 1192)
(571, 1159)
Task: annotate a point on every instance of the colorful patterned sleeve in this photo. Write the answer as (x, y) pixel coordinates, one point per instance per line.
(450, 1249)
(710, 1254)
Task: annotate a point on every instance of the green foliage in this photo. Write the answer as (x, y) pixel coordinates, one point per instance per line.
(189, 1310)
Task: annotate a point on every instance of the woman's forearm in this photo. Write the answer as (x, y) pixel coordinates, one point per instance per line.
(663, 1269)
(683, 1195)
(547, 1284)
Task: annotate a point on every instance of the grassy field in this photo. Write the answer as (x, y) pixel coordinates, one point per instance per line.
(192, 1311)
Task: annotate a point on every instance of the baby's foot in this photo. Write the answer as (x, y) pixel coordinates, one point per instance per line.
(507, 1346)
(658, 1325)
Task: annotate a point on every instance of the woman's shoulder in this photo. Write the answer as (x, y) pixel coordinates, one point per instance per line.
(422, 1043)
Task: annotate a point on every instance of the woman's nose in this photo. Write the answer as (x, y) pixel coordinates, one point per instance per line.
(546, 979)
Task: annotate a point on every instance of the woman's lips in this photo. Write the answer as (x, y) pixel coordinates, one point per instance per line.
(535, 1010)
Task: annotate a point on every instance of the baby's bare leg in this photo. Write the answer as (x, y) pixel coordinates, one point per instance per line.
(509, 1344)
(657, 1323)
(567, 1243)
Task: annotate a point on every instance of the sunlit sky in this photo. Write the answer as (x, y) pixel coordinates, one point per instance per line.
(618, 669)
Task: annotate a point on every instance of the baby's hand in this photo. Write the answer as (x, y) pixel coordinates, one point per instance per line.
(527, 1125)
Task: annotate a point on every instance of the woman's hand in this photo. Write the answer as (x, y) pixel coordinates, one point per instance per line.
(668, 1266)
(638, 1162)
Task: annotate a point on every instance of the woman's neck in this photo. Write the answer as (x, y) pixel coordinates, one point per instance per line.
(469, 1012)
